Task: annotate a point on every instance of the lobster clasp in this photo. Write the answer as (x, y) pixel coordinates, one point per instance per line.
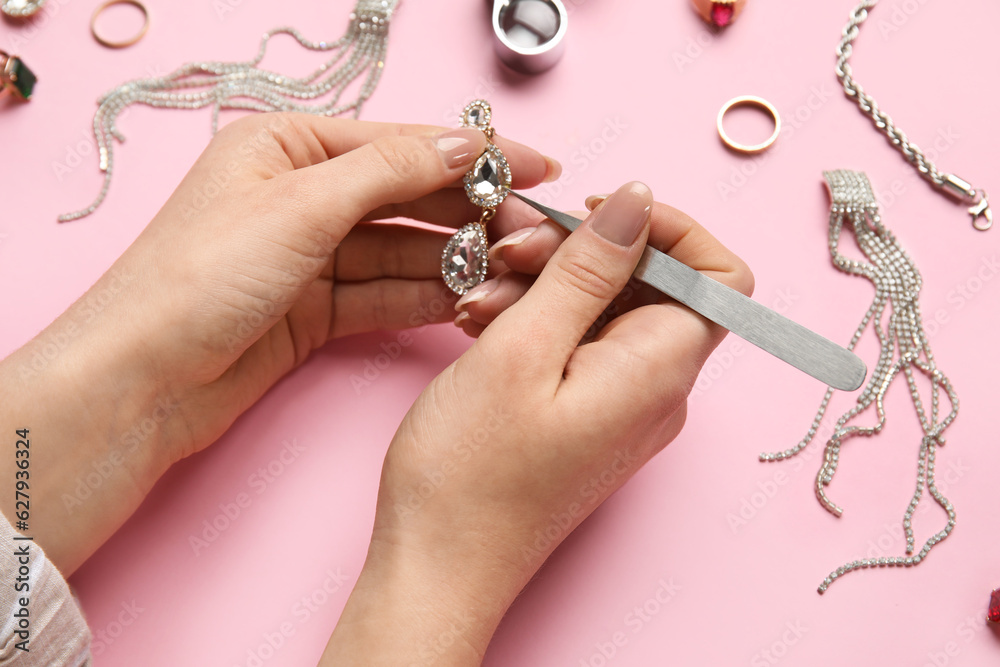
(982, 216)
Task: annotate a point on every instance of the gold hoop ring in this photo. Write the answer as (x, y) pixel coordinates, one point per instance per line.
(125, 42)
(752, 101)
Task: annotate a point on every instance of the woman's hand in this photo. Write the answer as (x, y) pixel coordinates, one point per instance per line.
(519, 440)
(256, 260)
(276, 265)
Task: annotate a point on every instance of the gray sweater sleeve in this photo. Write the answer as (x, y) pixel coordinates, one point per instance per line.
(40, 622)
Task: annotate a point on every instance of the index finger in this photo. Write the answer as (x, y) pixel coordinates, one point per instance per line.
(326, 138)
(679, 235)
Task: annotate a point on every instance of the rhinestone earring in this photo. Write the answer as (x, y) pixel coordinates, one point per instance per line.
(465, 258)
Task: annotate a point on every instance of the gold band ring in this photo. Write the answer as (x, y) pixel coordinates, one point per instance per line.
(753, 101)
(125, 42)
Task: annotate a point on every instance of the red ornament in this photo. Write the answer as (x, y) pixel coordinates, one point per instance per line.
(722, 13)
(993, 615)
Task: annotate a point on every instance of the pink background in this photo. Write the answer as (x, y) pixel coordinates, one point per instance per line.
(635, 97)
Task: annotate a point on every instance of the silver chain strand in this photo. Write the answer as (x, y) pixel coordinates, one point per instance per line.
(242, 85)
(903, 349)
(982, 216)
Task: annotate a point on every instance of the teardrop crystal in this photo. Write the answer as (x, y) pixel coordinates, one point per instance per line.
(465, 258)
(488, 182)
(477, 114)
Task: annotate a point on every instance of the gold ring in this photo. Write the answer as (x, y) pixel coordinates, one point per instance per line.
(126, 42)
(753, 101)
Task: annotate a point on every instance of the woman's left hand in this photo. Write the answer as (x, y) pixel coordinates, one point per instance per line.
(257, 259)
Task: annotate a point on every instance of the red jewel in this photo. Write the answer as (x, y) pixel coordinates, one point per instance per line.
(993, 615)
(722, 13)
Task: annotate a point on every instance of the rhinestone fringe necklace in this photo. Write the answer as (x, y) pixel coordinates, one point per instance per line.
(242, 85)
(904, 350)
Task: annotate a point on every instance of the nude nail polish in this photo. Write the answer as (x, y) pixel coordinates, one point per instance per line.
(624, 214)
(460, 147)
(593, 201)
(474, 295)
(515, 238)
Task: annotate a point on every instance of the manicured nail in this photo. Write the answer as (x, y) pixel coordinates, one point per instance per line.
(460, 147)
(516, 238)
(475, 295)
(622, 216)
(592, 201)
(462, 317)
(553, 170)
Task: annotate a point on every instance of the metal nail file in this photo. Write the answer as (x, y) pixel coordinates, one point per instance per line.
(776, 334)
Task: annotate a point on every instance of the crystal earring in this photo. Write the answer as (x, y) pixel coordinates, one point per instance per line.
(466, 256)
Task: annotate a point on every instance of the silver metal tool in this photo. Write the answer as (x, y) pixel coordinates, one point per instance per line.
(776, 334)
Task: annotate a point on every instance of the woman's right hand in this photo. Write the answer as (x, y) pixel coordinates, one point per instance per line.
(519, 440)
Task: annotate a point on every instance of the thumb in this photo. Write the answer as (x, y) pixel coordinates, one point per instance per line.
(590, 268)
(390, 169)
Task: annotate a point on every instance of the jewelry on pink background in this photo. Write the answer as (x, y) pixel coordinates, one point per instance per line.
(950, 184)
(719, 13)
(120, 44)
(465, 259)
(895, 317)
(751, 101)
(358, 55)
(20, 9)
(15, 77)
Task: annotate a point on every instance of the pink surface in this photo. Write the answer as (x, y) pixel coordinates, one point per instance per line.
(635, 97)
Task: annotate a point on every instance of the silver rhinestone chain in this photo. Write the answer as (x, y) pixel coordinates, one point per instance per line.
(242, 85)
(982, 217)
(903, 349)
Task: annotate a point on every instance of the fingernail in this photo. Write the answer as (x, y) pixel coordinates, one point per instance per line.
(462, 317)
(475, 295)
(592, 201)
(516, 238)
(460, 147)
(622, 216)
(553, 170)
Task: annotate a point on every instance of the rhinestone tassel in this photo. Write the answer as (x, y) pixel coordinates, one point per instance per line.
(904, 351)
